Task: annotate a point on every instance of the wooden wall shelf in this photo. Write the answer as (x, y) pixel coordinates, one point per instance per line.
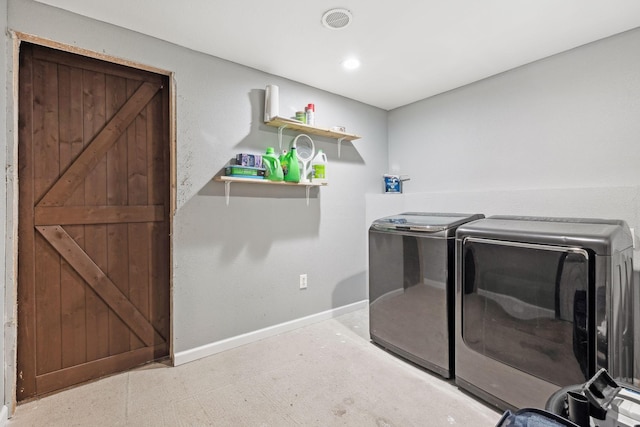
(302, 127)
(282, 124)
(229, 179)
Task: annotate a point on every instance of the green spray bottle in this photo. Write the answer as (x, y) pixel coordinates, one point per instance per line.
(272, 165)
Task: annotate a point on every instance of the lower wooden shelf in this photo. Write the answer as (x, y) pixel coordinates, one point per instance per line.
(229, 179)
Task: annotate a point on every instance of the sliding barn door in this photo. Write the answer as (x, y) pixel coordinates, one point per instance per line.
(93, 248)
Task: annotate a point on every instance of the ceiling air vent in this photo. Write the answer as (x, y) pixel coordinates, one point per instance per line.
(336, 19)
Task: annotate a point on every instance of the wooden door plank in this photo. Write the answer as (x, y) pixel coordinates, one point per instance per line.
(117, 239)
(69, 114)
(45, 128)
(94, 99)
(139, 273)
(95, 65)
(97, 368)
(137, 156)
(137, 180)
(46, 171)
(49, 331)
(118, 271)
(163, 287)
(98, 147)
(72, 288)
(99, 282)
(73, 317)
(159, 271)
(65, 215)
(158, 193)
(116, 96)
(26, 380)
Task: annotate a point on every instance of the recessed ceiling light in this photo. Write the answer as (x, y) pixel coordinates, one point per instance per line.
(351, 63)
(336, 19)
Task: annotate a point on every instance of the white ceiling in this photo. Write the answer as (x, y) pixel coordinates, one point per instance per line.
(409, 49)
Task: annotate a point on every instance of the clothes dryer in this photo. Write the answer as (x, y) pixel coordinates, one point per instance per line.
(542, 303)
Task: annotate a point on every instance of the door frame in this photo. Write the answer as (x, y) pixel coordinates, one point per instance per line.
(11, 244)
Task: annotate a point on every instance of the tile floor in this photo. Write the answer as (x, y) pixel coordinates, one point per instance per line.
(325, 374)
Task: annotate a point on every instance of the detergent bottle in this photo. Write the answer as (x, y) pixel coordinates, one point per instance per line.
(290, 166)
(284, 163)
(319, 167)
(273, 169)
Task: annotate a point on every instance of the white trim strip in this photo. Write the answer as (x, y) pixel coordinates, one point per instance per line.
(4, 415)
(196, 353)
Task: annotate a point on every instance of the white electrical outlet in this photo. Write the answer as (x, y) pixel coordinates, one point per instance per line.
(303, 281)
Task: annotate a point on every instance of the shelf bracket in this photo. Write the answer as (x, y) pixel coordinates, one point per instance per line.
(308, 190)
(340, 144)
(227, 190)
(280, 129)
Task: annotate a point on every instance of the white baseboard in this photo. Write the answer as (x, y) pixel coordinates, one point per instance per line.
(4, 416)
(187, 356)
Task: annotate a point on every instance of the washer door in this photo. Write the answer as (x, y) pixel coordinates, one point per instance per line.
(408, 294)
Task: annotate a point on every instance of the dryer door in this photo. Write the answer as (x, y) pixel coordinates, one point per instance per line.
(524, 307)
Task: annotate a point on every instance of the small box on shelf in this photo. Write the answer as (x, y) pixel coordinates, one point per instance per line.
(244, 171)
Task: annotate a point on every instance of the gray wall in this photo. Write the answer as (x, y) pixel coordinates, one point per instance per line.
(557, 137)
(236, 267)
(570, 120)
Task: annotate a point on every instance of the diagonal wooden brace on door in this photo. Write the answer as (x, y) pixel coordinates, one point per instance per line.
(100, 283)
(64, 187)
